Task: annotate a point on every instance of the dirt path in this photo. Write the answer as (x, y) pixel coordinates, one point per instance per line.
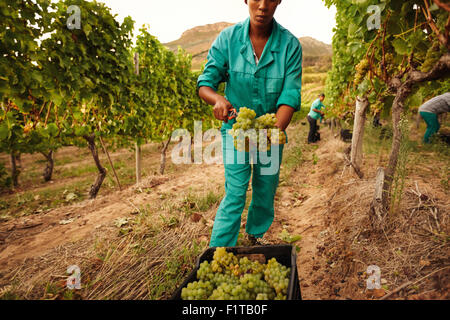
(302, 210)
(35, 235)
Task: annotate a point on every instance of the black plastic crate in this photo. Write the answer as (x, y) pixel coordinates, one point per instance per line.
(285, 254)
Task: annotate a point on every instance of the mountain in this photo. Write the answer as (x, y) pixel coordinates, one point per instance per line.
(315, 48)
(198, 40)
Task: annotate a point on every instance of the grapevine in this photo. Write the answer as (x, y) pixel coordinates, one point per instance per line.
(63, 86)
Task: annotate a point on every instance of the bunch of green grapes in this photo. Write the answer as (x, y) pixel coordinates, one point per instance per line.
(245, 265)
(228, 278)
(245, 119)
(257, 267)
(197, 290)
(227, 291)
(254, 284)
(277, 276)
(389, 58)
(220, 278)
(262, 296)
(433, 55)
(223, 259)
(241, 130)
(205, 272)
(245, 138)
(280, 296)
(266, 121)
(390, 64)
(222, 292)
(361, 70)
(248, 266)
(281, 139)
(246, 114)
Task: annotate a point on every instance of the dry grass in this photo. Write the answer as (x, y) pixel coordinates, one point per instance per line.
(144, 259)
(413, 247)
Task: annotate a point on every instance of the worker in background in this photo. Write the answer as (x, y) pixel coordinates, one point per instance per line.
(315, 114)
(429, 112)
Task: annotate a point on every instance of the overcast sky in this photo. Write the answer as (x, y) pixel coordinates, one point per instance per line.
(168, 19)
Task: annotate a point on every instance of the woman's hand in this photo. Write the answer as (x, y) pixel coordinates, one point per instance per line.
(284, 117)
(221, 108)
(221, 105)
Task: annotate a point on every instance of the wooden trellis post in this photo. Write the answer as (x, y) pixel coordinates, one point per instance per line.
(137, 146)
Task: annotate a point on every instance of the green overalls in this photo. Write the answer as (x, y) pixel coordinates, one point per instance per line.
(263, 87)
(433, 126)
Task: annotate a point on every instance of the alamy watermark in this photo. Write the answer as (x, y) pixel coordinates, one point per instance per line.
(74, 280)
(374, 280)
(74, 21)
(374, 21)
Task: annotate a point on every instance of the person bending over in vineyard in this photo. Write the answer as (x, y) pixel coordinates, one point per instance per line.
(261, 63)
(315, 114)
(429, 112)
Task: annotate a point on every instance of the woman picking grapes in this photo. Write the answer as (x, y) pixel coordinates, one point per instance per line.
(261, 63)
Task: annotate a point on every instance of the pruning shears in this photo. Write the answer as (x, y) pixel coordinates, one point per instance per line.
(232, 114)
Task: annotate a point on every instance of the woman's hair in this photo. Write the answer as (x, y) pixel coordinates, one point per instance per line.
(322, 95)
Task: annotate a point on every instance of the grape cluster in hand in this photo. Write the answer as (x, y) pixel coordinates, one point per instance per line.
(249, 131)
(228, 278)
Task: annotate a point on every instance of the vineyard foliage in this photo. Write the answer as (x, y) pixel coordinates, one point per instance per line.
(65, 86)
(395, 54)
(366, 59)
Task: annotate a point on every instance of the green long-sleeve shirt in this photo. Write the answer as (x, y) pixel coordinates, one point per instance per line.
(264, 86)
(318, 105)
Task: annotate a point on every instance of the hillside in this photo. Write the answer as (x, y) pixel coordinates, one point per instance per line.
(198, 40)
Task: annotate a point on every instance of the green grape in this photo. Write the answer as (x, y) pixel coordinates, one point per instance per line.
(277, 276)
(266, 121)
(258, 267)
(224, 258)
(205, 271)
(278, 138)
(239, 292)
(280, 296)
(222, 292)
(256, 285)
(389, 58)
(246, 139)
(262, 296)
(219, 278)
(216, 267)
(245, 114)
(361, 70)
(237, 125)
(227, 291)
(197, 290)
(245, 265)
